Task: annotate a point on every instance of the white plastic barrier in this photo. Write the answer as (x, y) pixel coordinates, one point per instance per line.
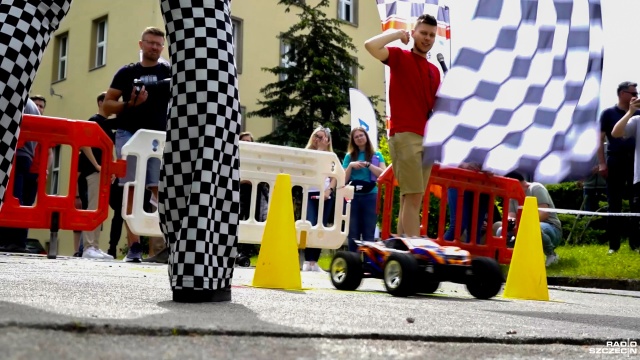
(144, 145)
(259, 163)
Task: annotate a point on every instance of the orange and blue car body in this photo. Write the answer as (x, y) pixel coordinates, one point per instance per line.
(430, 255)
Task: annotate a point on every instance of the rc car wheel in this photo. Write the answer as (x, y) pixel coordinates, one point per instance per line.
(486, 279)
(400, 274)
(243, 261)
(427, 285)
(346, 270)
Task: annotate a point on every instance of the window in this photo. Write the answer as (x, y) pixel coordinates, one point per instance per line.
(243, 118)
(237, 42)
(285, 60)
(348, 11)
(55, 172)
(100, 36)
(354, 74)
(353, 70)
(62, 45)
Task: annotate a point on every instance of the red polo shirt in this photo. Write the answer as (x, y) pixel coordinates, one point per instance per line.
(413, 84)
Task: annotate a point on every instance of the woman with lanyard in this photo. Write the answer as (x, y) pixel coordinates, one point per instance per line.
(362, 165)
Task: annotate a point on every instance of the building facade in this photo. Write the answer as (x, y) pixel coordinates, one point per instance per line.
(98, 37)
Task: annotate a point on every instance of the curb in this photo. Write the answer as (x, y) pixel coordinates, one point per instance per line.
(615, 284)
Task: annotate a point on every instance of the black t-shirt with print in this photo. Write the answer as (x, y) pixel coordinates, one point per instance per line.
(152, 114)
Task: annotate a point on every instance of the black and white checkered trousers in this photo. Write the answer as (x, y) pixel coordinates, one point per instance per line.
(25, 30)
(199, 197)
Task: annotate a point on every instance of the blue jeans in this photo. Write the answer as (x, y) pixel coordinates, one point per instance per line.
(363, 219)
(313, 254)
(467, 210)
(551, 237)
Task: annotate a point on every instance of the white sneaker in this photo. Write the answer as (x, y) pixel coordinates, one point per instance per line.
(316, 268)
(105, 255)
(92, 253)
(552, 259)
(306, 266)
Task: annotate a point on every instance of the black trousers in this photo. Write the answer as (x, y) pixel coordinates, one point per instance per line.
(619, 186)
(634, 236)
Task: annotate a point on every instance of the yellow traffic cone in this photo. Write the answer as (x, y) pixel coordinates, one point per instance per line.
(527, 278)
(278, 266)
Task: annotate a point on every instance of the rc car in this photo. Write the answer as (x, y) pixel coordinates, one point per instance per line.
(415, 265)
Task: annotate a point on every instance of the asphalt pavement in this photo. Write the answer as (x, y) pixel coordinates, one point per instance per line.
(77, 308)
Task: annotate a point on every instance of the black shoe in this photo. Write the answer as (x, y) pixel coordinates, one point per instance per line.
(113, 253)
(202, 296)
(13, 248)
(160, 258)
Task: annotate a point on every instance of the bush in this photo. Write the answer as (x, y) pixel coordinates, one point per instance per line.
(584, 230)
(566, 195)
(587, 229)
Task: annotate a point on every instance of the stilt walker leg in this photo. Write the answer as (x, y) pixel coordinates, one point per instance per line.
(25, 30)
(199, 198)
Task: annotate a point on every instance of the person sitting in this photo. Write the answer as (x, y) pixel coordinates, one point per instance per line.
(550, 225)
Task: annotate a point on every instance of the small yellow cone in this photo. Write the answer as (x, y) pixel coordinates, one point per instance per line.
(278, 266)
(527, 278)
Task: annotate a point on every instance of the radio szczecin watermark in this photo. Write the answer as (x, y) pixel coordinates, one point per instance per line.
(624, 347)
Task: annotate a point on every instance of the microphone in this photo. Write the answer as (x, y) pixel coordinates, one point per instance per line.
(442, 64)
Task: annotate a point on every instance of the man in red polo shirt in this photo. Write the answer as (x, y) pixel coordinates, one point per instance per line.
(413, 84)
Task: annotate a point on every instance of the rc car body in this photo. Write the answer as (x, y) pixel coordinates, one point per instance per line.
(410, 265)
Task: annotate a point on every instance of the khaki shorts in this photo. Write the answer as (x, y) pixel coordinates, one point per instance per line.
(406, 156)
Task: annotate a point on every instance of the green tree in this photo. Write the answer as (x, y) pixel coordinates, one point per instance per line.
(313, 81)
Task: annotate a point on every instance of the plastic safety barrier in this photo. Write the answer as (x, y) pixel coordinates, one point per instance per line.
(259, 163)
(57, 212)
(477, 183)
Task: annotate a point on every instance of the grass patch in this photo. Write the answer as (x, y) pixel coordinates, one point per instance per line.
(590, 261)
(593, 261)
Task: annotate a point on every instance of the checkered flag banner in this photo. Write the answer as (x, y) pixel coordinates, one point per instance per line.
(524, 95)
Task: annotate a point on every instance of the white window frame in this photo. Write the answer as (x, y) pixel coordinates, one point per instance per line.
(101, 44)
(237, 41)
(55, 171)
(63, 53)
(243, 118)
(347, 11)
(284, 59)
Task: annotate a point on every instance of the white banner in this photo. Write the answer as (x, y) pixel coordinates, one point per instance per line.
(362, 114)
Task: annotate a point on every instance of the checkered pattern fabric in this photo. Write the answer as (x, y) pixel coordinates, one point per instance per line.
(524, 96)
(25, 30)
(199, 198)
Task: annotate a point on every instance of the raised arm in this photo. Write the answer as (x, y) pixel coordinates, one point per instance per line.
(377, 45)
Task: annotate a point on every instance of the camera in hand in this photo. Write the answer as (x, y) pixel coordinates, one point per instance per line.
(162, 85)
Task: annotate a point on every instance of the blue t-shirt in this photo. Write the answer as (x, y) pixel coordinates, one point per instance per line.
(363, 174)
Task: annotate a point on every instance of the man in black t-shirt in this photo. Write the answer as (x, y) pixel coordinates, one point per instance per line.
(89, 167)
(144, 105)
(617, 165)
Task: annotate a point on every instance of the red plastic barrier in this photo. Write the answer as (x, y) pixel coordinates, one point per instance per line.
(478, 183)
(58, 211)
